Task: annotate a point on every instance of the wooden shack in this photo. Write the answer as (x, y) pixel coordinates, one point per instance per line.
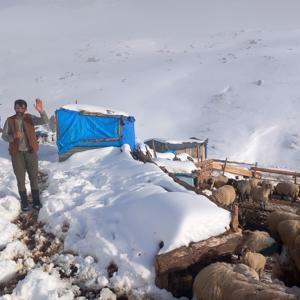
(194, 147)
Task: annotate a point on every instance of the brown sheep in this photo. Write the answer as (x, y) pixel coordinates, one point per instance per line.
(296, 252)
(262, 294)
(216, 282)
(287, 189)
(276, 217)
(221, 281)
(289, 232)
(267, 183)
(225, 195)
(217, 181)
(256, 261)
(253, 182)
(257, 240)
(261, 195)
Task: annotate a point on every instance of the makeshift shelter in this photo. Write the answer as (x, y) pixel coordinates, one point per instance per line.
(81, 127)
(194, 147)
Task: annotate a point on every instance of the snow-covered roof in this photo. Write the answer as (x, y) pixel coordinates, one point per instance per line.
(176, 141)
(94, 109)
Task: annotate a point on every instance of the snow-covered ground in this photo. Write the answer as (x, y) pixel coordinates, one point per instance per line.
(107, 208)
(223, 70)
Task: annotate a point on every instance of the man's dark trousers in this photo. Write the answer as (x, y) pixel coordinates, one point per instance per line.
(24, 161)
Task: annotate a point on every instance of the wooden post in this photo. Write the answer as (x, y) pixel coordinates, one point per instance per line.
(153, 147)
(224, 166)
(295, 179)
(198, 153)
(254, 173)
(148, 152)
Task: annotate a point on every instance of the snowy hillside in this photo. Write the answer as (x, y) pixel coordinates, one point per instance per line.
(223, 70)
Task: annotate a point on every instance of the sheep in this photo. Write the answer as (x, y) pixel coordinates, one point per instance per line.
(256, 261)
(221, 281)
(296, 251)
(276, 217)
(243, 188)
(217, 181)
(287, 189)
(253, 182)
(289, 232)
(224, 195)
(261, 293)
(266, 183)
(257, 241)
(261, 195)
(216, 282)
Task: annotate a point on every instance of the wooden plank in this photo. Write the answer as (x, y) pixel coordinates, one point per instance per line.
(276, 171)
(235, 170)
(253, 171)
(232, 162)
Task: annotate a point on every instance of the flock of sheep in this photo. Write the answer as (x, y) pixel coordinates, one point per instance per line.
(241, 280)
(226, 191)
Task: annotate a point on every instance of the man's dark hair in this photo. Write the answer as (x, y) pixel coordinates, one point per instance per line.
(21, 102)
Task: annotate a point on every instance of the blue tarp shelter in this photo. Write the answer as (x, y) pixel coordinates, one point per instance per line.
(81, 130)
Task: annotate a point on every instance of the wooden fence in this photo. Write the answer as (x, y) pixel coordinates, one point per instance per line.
(241, 169)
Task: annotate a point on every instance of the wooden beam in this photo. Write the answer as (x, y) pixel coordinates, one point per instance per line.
(276, 171)
(232, 162)
(224, 166)
(234, 170)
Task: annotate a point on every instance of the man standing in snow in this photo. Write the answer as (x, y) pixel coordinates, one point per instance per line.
(19, 132)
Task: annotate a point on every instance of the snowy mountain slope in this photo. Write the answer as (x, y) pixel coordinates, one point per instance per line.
(223, 70)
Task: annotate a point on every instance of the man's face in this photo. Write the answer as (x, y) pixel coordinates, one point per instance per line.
(20, 110)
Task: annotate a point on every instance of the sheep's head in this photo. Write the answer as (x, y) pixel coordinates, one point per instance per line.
(244, 251)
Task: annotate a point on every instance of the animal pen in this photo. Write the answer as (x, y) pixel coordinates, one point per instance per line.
(194, 147)
(247, 170)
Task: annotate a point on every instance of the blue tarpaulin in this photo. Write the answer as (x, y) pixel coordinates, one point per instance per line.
(77, 129)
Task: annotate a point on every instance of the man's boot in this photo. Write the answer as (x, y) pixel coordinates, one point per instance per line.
(24, 201)
(36, 199)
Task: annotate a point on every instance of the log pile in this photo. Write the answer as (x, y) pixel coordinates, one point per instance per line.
(176, 269)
